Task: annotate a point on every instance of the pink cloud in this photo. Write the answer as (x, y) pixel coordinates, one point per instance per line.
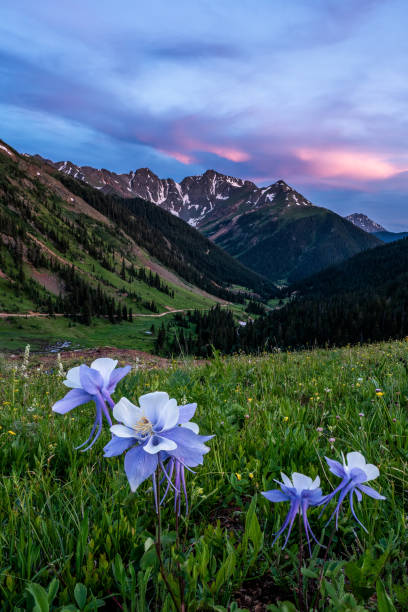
(234, 155)
(331, 163)
(181, 157)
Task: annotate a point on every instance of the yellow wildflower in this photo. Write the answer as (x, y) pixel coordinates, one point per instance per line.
(251, 475)
(12, 433)
(238, 476)
(286, 418)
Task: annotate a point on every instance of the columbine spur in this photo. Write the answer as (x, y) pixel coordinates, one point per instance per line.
(354, 473)
(301, 492)
(95, 383)
(152, 433)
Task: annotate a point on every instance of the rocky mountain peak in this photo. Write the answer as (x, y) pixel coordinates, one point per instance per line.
(365, 223)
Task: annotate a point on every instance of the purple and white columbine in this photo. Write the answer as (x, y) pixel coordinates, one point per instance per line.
(301, 492)
(354, 473)
(152, 433)
(95, 383)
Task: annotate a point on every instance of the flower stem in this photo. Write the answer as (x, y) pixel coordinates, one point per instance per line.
(158, 547)
(300, 577)
(180, 577)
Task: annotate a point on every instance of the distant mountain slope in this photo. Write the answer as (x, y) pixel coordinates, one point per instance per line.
(287, 239)
(390, 236)
(371, 271)
(66, 247)
(273, 230)
(365, 223)
(371, 227)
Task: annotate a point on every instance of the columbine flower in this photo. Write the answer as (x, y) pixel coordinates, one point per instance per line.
(154, 432)
(95, 383)
(301, 492)
(354, 473)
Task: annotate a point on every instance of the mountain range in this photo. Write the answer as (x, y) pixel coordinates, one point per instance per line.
(273, 230)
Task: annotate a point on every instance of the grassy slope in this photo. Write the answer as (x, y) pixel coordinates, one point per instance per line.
(71, 515)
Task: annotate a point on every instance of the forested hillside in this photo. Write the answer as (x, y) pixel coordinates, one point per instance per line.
(362, 300)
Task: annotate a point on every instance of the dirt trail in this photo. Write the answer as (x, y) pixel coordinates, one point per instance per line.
(5, 315)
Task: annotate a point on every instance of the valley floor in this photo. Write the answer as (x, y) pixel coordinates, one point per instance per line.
(70, 516)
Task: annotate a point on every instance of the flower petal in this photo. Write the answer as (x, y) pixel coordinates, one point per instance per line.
(126, 412)
(186, 412)
(336, 468)
(72, 379)
(91, 380)
(117, 446)
(123, 432)
(372, 471)
(116, 376)
(315, 484)
(139, 466)
(158, 443)
(190, 447)
(301, 482)
(168, 416)
(105, 366)
(355, 460)
(151, 404)
(73, 398)
(275, 495)
(193, 426)
(286, 481)
(370, 492)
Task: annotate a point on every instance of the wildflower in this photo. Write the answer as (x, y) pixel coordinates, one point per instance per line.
(354, 474)
(319, 429)
(332, 440)
(379, 393)
(361, 414)
(301, 492)
(247, 416)
(286, 418)
(156, 431)
(249, 399)
(95, 383)
(26, 360)
(239, 477)
(200, 491)
(60, 367)
(251, 475)
(12, 433)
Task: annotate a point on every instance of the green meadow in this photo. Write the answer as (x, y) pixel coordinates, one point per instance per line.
(73, 536)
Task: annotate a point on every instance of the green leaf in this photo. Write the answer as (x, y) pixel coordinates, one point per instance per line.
(80, 594)
(309, 573)
(253, 531)
(52, 590)
(40, 596)
(226, 570)
(384, 603)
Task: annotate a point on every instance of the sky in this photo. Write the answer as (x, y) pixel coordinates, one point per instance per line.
(314, 92)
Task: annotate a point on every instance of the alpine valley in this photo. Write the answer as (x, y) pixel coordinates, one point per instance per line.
(68, 249)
